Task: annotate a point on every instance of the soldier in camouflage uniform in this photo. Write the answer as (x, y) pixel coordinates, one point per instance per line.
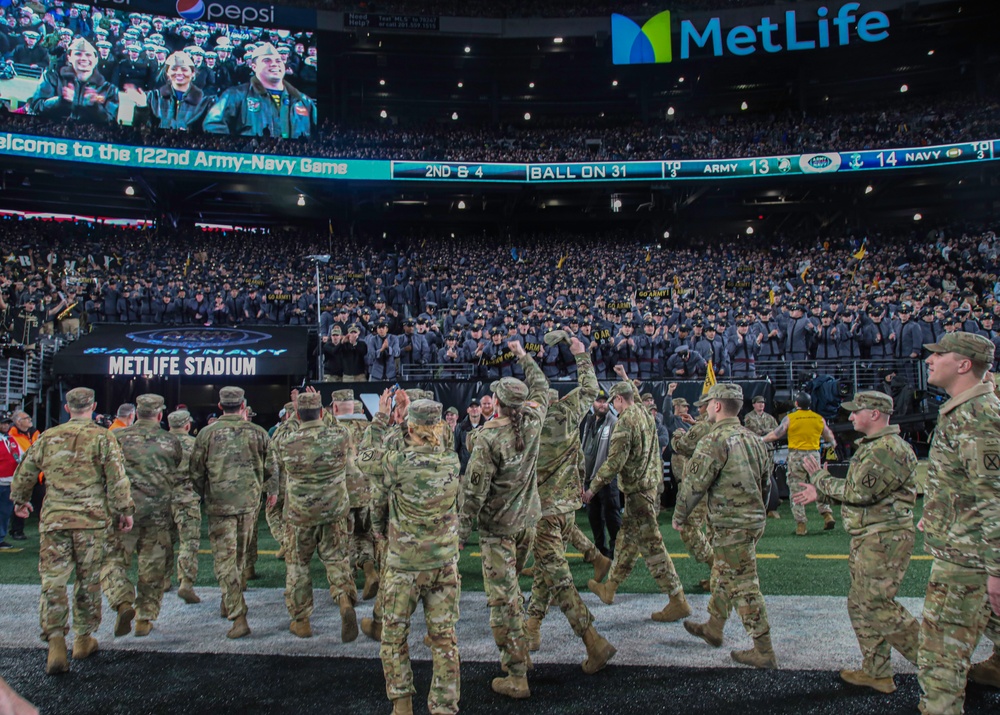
(692, 533)
(313, 461)
(501, 492)
(87, 491)
(275, 514)
(878, 496)
(421, 483)
(227, 466)
(185, 508)
(961, 520)
(634, 457)
(761, 423)
(152, 457)
(559, 486)
(730, 470)
(359, 489)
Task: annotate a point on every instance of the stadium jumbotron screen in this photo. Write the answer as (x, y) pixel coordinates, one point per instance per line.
(87, 64)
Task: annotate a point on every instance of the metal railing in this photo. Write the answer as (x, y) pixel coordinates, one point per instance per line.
(438, 371)
(856, 375)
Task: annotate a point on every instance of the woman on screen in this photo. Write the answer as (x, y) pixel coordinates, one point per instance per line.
(77, 92)
(180, 104)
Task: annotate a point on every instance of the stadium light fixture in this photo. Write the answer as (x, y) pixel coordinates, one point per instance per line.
(531, 85)
(302, 200)
(130, 190)
(461, 205)
(930, 53)
(904, 88)
(917, 216)
(384, 114)
(454, 116)
(744, 106)
(749, 230)
(461, 84)
(666, 234)
(468, 49)
(558, 40)
(381, 83)
(527, 116)
(869, 189)
(670, 111)
(681, 80)
(614, 83)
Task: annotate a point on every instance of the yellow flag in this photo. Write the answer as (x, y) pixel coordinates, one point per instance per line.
(648, 256)
(709, 378)
(561, 261)
(677, 283)
(862, 252)
(770, 296)
(187, 263)
(803, 274)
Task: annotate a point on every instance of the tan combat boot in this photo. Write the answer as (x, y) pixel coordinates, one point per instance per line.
(143, 627)
(57, 662)
(760, 656)
(513, 686)
(705, 585)
(240, 628)
(123, 622)
(187, 594)
(605, 591)
(801, 529)
(599, 651)
(988, 671)
(301, 628)
(675, 610)
(828, 522)
(602, 566)
(84, 647)
(532, 631)
(773, 515)
(402, 706)
(371, 628)
(710, 632)
(348, 619)
(860, 677)
(371, 581)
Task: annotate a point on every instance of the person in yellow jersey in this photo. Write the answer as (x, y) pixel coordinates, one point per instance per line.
(804, 429)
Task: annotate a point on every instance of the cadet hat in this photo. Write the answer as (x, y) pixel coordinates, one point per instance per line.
(231, 396)
(149, 403)
(725, 391)
(758, 398)
(346, 395)
(869, 400)
(510, 391)
(554, 337)
(452, 411)
(80, 398)
(623, 389)
(424, 412)
(970, 345)
(677, 401)
(178, 418)
(309, 401)
(681, 349)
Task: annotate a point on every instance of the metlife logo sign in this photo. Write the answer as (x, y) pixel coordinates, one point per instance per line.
(653, 42)
(232, 13)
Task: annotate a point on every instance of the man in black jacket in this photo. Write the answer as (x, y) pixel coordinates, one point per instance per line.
(76, 92)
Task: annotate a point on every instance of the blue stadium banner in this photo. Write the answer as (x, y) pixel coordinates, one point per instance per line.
(24, 146)
(247, 14)
(186, 351)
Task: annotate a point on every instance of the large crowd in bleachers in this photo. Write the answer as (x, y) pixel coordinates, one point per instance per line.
(659, 310)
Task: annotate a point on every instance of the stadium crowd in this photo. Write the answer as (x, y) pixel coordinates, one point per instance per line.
(660, 311)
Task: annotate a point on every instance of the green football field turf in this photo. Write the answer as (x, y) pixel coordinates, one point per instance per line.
(812, 565)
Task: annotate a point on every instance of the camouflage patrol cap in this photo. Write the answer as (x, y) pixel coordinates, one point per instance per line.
(424, 412)
(289, 407)
(342, 395)
(451, 411)
(647, 396)
(231, 396)
(970, 345)
(178, 418)
(309, 401)
(758, 398)
(149, 403)
(725, 391)
(80, 398)
(678, 401)
(418, 394)
(869, 400)
(554, 337)
(510, 391)
(623, 389)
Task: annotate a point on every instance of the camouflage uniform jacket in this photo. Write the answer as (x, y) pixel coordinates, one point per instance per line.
(880, 491)
(274, 475)
(684, 443)
(358, 485)
(152, 457)
(559, 473)
(962, 496)
(422, 484)
(760, 424)
(633, 455)
(501, 488)
(732, 469)
(391, 439)
(227, 465)
(183, 490)
(85, 477)
(314, 460)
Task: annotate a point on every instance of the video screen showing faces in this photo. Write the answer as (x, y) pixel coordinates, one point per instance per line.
(70, 62)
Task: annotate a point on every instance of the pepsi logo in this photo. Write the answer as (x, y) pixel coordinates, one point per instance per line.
(190, 10)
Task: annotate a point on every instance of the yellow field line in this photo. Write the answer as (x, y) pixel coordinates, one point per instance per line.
(828, 556)
(265, 552)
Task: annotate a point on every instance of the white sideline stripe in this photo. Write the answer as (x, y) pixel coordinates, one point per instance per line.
(809, 633)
